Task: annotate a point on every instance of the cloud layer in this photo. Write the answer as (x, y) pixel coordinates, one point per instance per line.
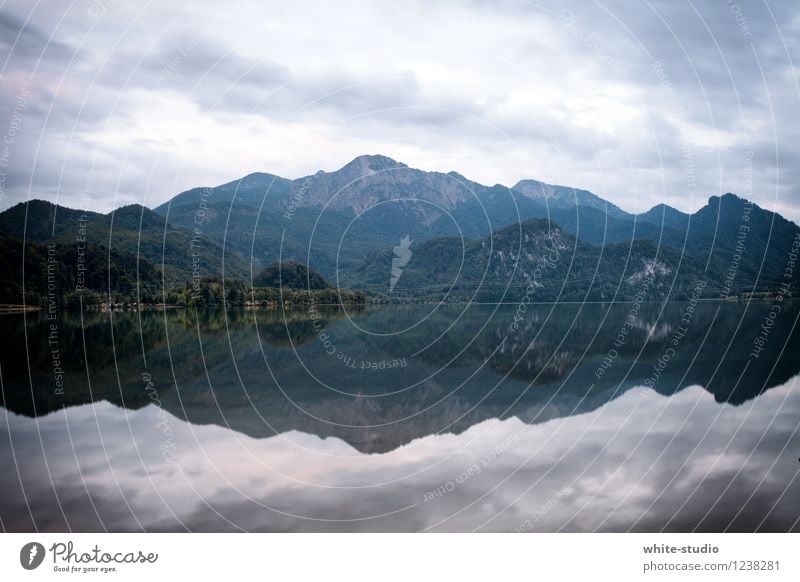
(109, 102)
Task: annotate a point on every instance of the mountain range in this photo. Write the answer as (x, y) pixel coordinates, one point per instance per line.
(468, 240)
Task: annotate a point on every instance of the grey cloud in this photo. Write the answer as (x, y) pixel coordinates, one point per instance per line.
(707, 58)
(171, 50)
(214, 76)
(25, 42)
(193, 61)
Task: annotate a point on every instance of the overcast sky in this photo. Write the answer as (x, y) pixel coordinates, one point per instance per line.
(111, 102)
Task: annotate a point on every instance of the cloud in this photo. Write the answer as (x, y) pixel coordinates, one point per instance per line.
(605, 470)
(149, 101)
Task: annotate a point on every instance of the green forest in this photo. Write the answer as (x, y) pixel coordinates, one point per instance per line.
(35, 274)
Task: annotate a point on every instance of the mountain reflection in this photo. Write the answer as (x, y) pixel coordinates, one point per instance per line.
(381, 377)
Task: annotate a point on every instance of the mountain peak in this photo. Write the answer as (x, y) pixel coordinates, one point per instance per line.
(129, 209)
(136, 217)
(253, 180)
(373, 163)
(727, 197)
(527, 183)
(665, 216)
(566, 197)
(729, 203)
(32, 203)
(664, 210)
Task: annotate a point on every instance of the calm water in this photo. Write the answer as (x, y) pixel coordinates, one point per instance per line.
(403, 418)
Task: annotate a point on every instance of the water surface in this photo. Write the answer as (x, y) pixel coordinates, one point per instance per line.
(592, 417)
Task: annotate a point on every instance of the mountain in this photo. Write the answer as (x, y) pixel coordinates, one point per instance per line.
(664, 216)
(250, 190)
(538, 259)
(324, 219)
(728, 234)
(370, 180)
(598, 228)
(334, 220)
(345, 223)
(765, 244)
(134, 231)
(357, 186)
(555, 197)
(748, 245)
(337, 221)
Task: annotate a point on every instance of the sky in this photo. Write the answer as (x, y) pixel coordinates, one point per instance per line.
(112, 102)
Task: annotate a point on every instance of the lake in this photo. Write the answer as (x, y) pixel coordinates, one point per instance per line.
(594, 417)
